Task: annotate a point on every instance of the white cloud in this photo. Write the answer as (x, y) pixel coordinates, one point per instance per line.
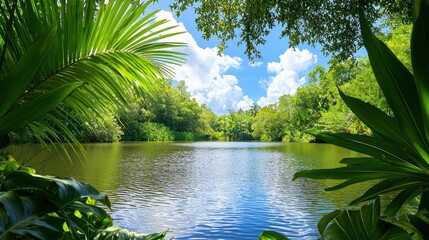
(289, 74)
(255, 64)
(264, 83)
(245, 104)
(205, 73)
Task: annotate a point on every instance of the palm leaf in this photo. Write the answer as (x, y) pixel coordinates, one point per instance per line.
(114, 48)
(33, 109)
(22, 74)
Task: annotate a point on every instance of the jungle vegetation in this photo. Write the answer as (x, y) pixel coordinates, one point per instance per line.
(174, 115)
(391, 131)
(332, 24)
(55, 90)
(62, 63)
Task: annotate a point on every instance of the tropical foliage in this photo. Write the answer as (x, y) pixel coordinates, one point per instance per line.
(397, 149)
(62, 63)
(316, 105)
(170, 115)
(46, 207)
(332, 24)
(80, 62)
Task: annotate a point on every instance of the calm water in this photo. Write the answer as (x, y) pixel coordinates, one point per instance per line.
(207, 190)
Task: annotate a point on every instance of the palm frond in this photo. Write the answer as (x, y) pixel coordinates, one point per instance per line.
(112, 49)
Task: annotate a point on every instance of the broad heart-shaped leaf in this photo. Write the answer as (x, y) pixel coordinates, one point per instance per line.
(60, 191)
(66, 197)
(420, 59)
(21, 76)
(44, 228)
(326, 219)
(364, 223)
(26, 216)
(35, 108)
(271, 235)
(399, 88)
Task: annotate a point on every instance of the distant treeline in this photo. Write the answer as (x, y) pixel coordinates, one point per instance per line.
(170, 114)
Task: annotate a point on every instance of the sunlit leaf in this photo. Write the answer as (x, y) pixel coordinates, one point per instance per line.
(22, 74)
(65, 191)
(271, 235)
(35, 108)
(118, 233)
(115, 48)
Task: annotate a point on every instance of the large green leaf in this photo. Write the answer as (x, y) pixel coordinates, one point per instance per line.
(417, 224)
(421, 223)
(399, 146)
(25, 216)
(114, 47)
(399, 88)
(377, 120)
(47, 200)
(61, 191)
(364, 223)
(395, 179)
(22, 74)
(35, 108)
(376, 147)
(410, 182)
(404, 197)
(271, 235)
(392, 185)
(420, 60)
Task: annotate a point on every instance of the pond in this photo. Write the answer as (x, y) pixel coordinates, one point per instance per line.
(207, 190)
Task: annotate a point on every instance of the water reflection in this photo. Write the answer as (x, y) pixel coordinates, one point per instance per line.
(100, 167)
(212, 190)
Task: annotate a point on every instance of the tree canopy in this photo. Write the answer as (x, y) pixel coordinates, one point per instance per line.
(333, 24)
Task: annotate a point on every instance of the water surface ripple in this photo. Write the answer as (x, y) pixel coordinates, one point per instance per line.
(212, 190)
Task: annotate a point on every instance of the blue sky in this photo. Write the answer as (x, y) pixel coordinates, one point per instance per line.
(230, 81)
